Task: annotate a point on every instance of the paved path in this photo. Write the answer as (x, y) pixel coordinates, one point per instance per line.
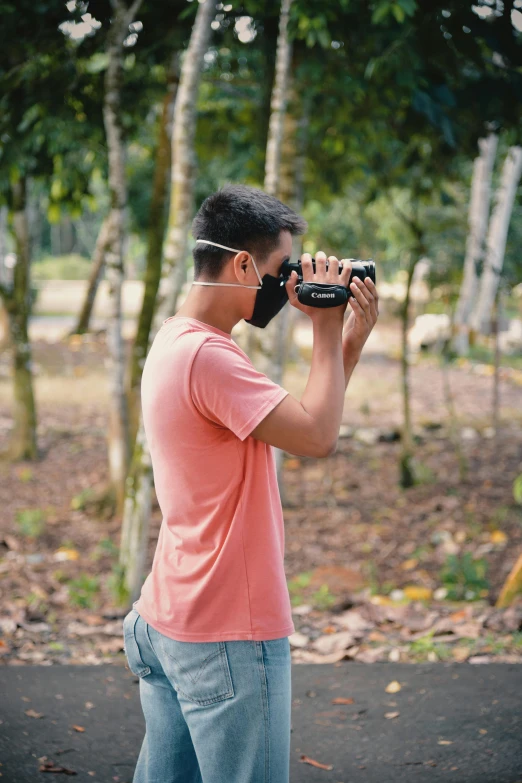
(475, 711)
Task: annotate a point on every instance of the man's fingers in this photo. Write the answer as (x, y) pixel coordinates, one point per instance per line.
(356, 289)
(344, 277)
(373, 289)
(306, 265)
(320, 266)
(333, 269)
(290, 285)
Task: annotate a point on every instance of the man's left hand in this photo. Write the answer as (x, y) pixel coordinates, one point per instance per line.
(365, 311)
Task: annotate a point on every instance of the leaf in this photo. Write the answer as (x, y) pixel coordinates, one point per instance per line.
(314, 763)
(445, 742)
(341, 700)
(416, 593)
(98, 62)
(398, 13)
(393, 687)
(78, 728)
(391, 714)
(33, 714)
(50, 766)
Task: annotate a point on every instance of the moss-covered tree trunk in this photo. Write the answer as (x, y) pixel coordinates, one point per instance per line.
(118, 434)
(17, 300)
(135, 527)
(407, 475)
(281, 128)
(98, 262)
(156, 230)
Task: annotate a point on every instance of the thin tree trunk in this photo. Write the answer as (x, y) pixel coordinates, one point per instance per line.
(496, 242)
(407, 475)
(496, 363)
(97, 265)
(156, 230)
(23, 443)
(135, 527)
(291, 192)
(278, 103)
(475, 246)
(274, 151)
(450, 405)
(118, 416)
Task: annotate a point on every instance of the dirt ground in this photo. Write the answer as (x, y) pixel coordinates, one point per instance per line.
(375, 572)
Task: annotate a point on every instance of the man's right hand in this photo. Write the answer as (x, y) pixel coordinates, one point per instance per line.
(321, 275)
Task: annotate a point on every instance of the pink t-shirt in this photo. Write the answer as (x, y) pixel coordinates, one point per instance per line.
(218, 570)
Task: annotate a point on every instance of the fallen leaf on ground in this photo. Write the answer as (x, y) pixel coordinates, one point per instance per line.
(314, 763)
(391, 714)
(33, 714)
(50, 766)
(415, 593)
(341, 700)
(461, 653)
(393, 687)
(445, 742)
(78, 728)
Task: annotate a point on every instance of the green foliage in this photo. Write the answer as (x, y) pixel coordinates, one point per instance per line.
(517, 489)
(105, 547)
(426, 644)
(83, 591)
(464, 577)
(297, 585)
(116, 585)
(30, 522)
(322, 598)
(80, 501)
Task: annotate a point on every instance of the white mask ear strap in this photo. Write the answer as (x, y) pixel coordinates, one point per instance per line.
(232, 250)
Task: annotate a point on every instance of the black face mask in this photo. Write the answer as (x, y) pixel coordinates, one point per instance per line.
(271, 294)
(270, 299)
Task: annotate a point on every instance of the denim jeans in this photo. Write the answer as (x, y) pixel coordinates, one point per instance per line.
(215, 712)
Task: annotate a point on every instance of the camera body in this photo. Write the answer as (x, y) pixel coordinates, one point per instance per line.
(327, 294)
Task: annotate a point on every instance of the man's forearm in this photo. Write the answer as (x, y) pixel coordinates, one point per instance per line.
(323, 397)
(350, 363)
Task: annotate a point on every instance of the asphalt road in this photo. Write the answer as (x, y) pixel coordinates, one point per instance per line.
(456, 722)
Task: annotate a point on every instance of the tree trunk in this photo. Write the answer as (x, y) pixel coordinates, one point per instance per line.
(277, 126)
(118, 417)
(407, 475)
(139, 482)
(475, 246)
(278, 103)
(23, 443)
(156, 231)
(496, 242)
(98, 262)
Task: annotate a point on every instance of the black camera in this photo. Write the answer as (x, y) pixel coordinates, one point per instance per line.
(327, 294)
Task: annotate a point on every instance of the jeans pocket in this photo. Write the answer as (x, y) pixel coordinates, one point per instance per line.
(131, 646)
(200, 671)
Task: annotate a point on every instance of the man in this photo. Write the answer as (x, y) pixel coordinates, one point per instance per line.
(208, 636)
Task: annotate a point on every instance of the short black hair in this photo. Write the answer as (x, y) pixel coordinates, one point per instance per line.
(243, 217)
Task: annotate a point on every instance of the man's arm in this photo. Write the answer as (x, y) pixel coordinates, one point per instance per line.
(310, 426)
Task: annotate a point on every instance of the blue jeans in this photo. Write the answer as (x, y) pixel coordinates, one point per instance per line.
(215, 712)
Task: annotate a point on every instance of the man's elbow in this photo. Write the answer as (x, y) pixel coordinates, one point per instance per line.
(325, 448)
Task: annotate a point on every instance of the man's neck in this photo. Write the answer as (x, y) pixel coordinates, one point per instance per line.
(206, 307)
